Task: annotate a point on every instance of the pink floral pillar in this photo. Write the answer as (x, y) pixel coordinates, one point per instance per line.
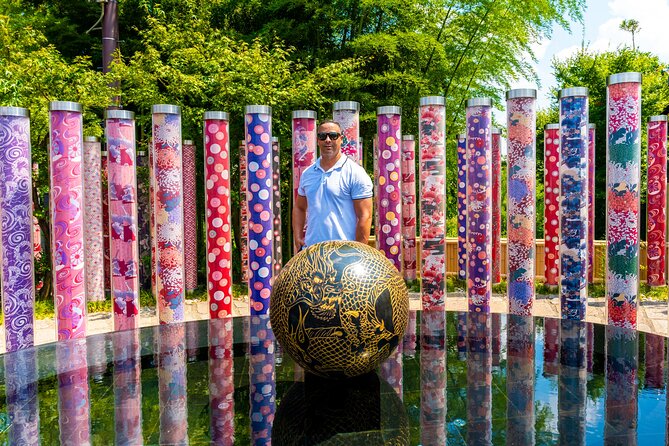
(304, 144)
(496, 205)
(152, 218)
(67, 218)
(93, 223)
(462, 206)
(591, 203)
(168, 211)
(551, 203)
(243, 212)
(657, 201)
(190, 215)
(389, 202)
(347, 114)
(409, 206)
(123, 227)
(218, 213)
(276, 204)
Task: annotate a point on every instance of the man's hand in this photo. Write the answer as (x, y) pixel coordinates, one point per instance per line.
(299, 219)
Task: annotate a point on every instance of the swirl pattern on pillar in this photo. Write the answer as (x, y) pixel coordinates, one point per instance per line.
(551, 205)
(190, 216)
(462, 207)
(243, 212)
(409, 208)
(93, 223)
(496, 207)
(657, 203)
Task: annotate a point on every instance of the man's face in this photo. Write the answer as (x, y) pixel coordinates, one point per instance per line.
(330, 148)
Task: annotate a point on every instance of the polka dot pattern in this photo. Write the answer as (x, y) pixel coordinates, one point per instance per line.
(409, 208)
(496, 208)
(218, 217)
(462, 207)
(551, 197)
(276, 206)
(243, 212)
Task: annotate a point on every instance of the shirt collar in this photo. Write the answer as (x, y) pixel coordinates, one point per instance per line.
(340, 162)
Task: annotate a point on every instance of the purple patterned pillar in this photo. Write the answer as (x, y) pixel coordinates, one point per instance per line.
(67, 218)
(591, 202)
(262, 379)
(168, 211)
(221, 382)
(496, 137)
(409, 207)
(172, 384)
(93, 223)
(347, 114)
(462, 206)
(127, 386)
(258, 129)
(124, 246)
(479, 204)
(73, 399)
(433, 377)
(521, 198)
(243, 212)
(16, 215)
(375, 168)
(190, 215)
(276, 205)
(389, 200)
(657, 201)
(551, 204)
(479, 378)
(432, 147)
(520, 380)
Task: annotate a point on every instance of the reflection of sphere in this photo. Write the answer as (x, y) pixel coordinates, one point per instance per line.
(360, 411)
(339, 308)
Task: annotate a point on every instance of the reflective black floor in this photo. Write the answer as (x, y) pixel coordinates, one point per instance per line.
(457, 379)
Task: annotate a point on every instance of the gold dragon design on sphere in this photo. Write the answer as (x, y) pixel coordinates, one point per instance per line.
(339, 308)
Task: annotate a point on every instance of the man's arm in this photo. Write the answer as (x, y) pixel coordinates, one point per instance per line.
(299, 218)
(363, 213)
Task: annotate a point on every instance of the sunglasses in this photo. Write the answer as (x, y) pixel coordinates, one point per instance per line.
(324, 135)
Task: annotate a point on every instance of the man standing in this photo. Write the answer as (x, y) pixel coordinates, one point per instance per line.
(336, 191)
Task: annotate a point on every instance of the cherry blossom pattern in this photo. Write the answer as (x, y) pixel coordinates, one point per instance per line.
(389, 179)
(656, 201)
(190, 215)
(462, 206)
(168, 201)
(432, 162)
(276, 205)
(258, 120)
(623, 184)
(520, 378)
(573, 203)
(433, 377)
(218, 213)
(67, 219)
(409, 206)
(496, 206)
(74, 407)
(172, 394)
(479, 205)
(591, 203)
(622, 364)
(243, 212)
(124, 243)
(93, 223)
(221, 381)
(304, 144)
(551, 197)
(262, 379)
(347, 114)
(521, 200)
(16, 215)
(572, 381)
(127, 387)
(479, 378)
(152, 218)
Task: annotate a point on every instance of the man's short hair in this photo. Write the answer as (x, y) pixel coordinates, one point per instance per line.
(330, 121)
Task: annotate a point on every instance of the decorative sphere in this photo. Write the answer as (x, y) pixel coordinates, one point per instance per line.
(339, 308)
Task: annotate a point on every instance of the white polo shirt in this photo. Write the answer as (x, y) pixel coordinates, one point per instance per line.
(330, 195)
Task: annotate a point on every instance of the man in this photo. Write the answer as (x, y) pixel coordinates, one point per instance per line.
(334, 197)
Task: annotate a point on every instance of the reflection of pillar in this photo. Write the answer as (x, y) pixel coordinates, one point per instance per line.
(521, 198)
(479, 379)
(22, 400)
(520, 380)
(73, 401)
(192, 341)
(622, 362)
(462, 336)
(262, 380)
(479, 204)
(190, 215)
(591, 203)
(243, 212)
(168, 211)
(304, 144)
(551, 345)
(391, 371)
(409, 341)
(93, 233)
(218, 216)
(573, 202)
(496, 137)
(551, 203)
(389, 201)
(623, 184)
(127, 388)
(172, 384)
(221, 382)
(66, 209)
(16, 214)
(122, 178)
(433, 377)
(409, 206)
(590, 343)
(432, 146)
(143, 213)
(258, 129)
(276, 204)
(654, 355)
(657, 200)
(496, 330)
(347, 114)
(572, 382)
(462, 206)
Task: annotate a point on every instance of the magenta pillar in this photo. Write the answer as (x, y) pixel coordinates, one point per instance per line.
(123, 227)
(93, 223)
(67, 218)
(16, 217)
(656, 201)
(591, 202)
(551, 203)
(375, 168)
(389, 200)
(190, 215)
(409, 206)
(496, 205)
(152, 218)
(462, 206)
(276, 205)
(168, 211)
(347, 114)
(304, 144)
(218, 213)
(243, 212)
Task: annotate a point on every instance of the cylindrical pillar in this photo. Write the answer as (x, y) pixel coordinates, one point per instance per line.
(347, 114)
(462, 206)
(152, 218)
(389, 200)
(172, 387)
(74, 407)
(591, 202)
(573, 210)
(375, 168)
(262, 379)
(622, 364)
(124, 246)
(520, 379)
(93, 223)
(16, 217)
(67, 218)
(496, 137)
(432, 147)
(258, 128)
(190, 215)
(433, 377)
(304, 144)
(657, 201)
(479, 377)
(623, 182)
(243, 212)
(551, 204)
(221, 381)
(276, 204)
(479, 204)
(105, 219)
(168, 201)
(218, 213)
(127, 386)
(409, 206)
(521, 198)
